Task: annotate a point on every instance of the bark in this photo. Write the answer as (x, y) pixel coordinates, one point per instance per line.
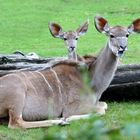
(122, 92)
(124, 86)
(12, 59)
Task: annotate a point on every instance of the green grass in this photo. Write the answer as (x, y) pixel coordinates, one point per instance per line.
(117, 116)
(24, 27)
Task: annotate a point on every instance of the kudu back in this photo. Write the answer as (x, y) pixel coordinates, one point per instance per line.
(32, 99)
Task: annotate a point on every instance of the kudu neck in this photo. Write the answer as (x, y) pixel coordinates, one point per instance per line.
(72, 55)
(106, 61)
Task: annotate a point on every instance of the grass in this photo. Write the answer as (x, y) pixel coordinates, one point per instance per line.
(24, 27)
(118, 115)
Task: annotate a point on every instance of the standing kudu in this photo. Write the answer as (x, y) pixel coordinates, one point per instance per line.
(30, 98)
(70, 37)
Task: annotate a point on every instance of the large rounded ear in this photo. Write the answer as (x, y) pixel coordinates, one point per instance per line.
(83, 28)
(135, 26)
(55, 30)
(101, 24)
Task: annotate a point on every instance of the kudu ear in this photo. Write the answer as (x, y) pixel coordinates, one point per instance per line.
(83, 28)
(101, 24)
(55, 30)
(135, 26)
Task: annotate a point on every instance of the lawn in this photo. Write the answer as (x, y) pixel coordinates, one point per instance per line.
(24, 27)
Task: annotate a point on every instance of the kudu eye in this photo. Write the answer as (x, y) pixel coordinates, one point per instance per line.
(65, 39)
(112, 36)
(76, 38)
(127, 35)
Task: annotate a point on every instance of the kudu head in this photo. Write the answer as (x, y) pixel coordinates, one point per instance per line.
(118, 35)
(70, 37)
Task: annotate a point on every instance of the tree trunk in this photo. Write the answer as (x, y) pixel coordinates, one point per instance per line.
(124, 86)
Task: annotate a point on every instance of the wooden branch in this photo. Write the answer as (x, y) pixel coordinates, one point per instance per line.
(125, 84)
(129, 67)
(11, 68)
(122, 92)
(5, 60)
(126, 76)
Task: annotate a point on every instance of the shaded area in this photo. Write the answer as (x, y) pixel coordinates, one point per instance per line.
(124, 92)
(125, 85)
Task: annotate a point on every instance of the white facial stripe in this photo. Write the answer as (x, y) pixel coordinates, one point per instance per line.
(122, 41)
(120, 49)
(71, 43)
(113, 48)
(110, 44)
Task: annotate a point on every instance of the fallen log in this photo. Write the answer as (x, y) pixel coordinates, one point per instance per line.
(128, 67)
(126, 76)
(122, 92)
(13, 59)
(124, 86)
(16, 67)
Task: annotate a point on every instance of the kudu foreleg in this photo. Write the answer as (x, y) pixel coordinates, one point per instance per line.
(18, 122)
(100, 103)
(37, 124)
(77, 117)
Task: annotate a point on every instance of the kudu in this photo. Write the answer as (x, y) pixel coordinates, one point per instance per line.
(31, 98)
(106, 63)
(70, 37)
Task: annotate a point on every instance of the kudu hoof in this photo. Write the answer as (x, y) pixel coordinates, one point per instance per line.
(64, 122)
(100, 111)
(103, 105)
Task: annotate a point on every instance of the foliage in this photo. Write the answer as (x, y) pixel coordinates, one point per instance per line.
(96, 131)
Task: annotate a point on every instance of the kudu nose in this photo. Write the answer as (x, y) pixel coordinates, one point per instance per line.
(121, 50)
(72, 48)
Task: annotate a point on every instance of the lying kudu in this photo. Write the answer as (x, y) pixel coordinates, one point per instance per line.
(70, 37)
(31, 98)
(106, 63)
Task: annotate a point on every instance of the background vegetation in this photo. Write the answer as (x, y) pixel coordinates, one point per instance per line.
(24, 27)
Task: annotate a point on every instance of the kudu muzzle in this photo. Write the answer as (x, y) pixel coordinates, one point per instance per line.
(122, 43)
(71, 45)
(71, 48)
(121, 50)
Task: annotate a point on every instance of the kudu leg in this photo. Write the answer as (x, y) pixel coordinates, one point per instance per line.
(18, 122)
(37, 124)
(77, 117)
(102, 104)
(100, 107)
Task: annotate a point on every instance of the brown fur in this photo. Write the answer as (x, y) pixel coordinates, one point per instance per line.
(51, 93)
